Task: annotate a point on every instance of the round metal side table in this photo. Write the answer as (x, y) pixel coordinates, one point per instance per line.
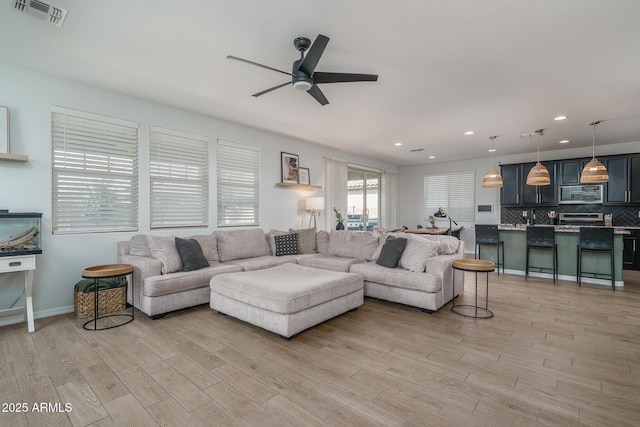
(473, 266)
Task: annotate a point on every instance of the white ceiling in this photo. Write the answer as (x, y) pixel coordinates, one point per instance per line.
(498, 67)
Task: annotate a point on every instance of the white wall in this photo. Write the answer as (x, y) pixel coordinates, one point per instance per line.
(411, 179)
(26, 187)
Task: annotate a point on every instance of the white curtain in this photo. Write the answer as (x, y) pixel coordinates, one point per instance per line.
(389, 200)
(335, 190)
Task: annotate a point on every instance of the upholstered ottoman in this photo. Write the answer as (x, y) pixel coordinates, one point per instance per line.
(286, 299)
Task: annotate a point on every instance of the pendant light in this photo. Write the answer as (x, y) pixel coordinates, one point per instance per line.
(539, 175)
(594, 171)
(492, 179)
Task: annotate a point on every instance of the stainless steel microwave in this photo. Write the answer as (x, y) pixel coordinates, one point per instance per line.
(580, 194)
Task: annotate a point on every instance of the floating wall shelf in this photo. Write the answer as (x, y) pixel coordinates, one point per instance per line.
(297, 186)
(14, 157)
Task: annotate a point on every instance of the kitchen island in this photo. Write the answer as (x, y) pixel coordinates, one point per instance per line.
(567, 238)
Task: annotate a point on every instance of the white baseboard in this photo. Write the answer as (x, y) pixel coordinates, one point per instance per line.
(19, 318)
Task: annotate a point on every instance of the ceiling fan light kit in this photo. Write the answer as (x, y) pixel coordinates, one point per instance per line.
(594, 171)
(304, 76)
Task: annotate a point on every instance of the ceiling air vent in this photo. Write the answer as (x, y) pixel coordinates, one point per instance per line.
(43, 10)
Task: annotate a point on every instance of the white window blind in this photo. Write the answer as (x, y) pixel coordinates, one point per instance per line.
(238, 184)
(179, 179)
(454, 192)
(95, 173)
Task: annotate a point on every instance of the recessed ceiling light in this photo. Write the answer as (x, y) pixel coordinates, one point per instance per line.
(432, 157)
(492, 150)
(469, 132)
(564, 141)
(397, 144)
(560, 118)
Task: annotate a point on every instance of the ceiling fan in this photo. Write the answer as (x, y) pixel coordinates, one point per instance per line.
(304, 75)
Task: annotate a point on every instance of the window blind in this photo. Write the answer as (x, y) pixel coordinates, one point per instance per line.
(179, 179)
(238, 184)
(454, 192)
(95, 173)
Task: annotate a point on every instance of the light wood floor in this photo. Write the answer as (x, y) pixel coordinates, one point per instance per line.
(552, 355)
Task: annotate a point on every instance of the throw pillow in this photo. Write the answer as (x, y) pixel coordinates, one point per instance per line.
(286, 244)
(272, 240)
(191, 254)
(306, 240)
(163, 248)
(209, 245)
(414, 257)
(392, 251)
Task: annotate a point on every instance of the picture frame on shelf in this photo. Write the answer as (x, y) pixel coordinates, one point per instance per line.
(4, 130)
(304, 177)
(289, 164)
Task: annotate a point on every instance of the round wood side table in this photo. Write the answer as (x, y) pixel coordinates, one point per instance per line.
(473, 266)
(104, 272)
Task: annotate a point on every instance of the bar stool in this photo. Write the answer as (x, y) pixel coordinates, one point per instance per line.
(487, 235)
(542, 238)
(600, 240)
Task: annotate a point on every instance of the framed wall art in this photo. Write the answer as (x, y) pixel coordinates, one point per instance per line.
(289, 164)
(4, 130)
(303, 176)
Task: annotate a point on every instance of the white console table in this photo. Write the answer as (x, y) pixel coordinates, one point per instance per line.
(26, 264)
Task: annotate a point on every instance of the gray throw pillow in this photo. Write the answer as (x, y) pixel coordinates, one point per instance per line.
(306, 240)
(191, 254)
(392, 251)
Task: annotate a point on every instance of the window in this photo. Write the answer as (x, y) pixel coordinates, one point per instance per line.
(363, 199)
(179, 179)
(238, 185)
(95, 173)
(454, 192)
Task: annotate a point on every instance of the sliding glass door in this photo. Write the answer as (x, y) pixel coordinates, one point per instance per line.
(363, 199)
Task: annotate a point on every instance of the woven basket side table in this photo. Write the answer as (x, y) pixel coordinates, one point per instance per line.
(104, 272)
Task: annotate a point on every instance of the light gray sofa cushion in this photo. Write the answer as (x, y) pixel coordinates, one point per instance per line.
(447, 245)
(352, 244)
(398, 277)
(262, 262)
(164, 249)
(209, 245)
(329, 262)
(322, 242)
(276, 289)
(184, 280)
(240, 244)
(415, 255)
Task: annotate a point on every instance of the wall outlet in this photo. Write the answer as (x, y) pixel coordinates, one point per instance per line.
(525, 213)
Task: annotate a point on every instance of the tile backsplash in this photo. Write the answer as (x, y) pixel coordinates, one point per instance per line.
(622, 215)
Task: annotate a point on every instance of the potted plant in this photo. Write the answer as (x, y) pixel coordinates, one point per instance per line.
(339, 219)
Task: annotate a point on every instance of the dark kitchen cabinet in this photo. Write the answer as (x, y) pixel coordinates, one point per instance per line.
(516, 192)
(540, 195)
(631, 251)
(512, 185)
(623, 187)
(570, 171)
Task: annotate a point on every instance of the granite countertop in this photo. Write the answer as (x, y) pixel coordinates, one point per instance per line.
(560, 228)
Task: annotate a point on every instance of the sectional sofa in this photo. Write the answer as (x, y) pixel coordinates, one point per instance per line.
(423, 278)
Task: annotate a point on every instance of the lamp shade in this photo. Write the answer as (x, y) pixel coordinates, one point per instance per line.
(539, 175)
(314, 203)
(594, 172)
(492, 179)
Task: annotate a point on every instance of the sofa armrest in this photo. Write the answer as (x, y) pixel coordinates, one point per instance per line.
(143, 267)
(442, 266)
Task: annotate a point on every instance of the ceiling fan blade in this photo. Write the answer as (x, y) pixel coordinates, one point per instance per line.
(318, 95)
(310, 61)
(235, 58)
(270, 89)
(320, 77)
